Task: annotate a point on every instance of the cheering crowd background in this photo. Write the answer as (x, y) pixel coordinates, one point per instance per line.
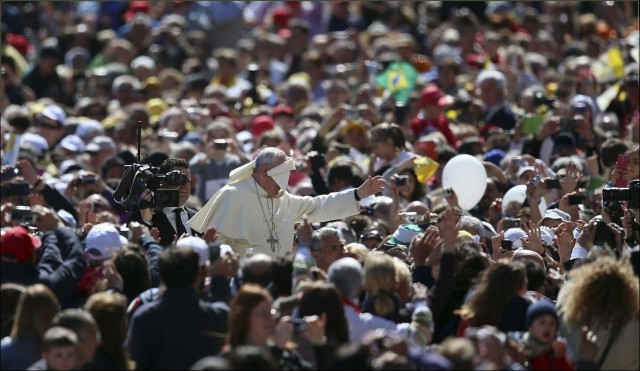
(461, 257)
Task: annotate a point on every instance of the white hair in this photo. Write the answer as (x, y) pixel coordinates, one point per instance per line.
(346, 275)
(316, 238)
(125, 79)
(494, 75)
(269, 156)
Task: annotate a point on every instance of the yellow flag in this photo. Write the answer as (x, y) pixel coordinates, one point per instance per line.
(425, 168)
(616, 62)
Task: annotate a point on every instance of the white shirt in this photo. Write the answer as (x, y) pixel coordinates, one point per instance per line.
(171, 217)
(361, 323)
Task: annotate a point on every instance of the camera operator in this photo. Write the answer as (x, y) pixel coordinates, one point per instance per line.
(170, 221)
(56, 259)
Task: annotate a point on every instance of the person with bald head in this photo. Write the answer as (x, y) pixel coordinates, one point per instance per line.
(255, 211)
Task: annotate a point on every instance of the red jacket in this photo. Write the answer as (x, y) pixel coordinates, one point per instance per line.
(419, 124)
(547, 361)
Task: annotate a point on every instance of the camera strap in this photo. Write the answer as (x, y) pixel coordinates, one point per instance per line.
(123, 193)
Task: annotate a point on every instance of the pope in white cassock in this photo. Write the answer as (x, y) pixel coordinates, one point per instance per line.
(254, 210)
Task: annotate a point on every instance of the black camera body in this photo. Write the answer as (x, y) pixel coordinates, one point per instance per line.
(137, 177)
(401, 180)
(22, 214)
(539, 99)
(604, 236)
(631, 194)
(15, 190)
(9, 174)
(86, 179)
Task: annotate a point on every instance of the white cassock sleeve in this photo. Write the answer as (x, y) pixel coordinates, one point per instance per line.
(336, 205)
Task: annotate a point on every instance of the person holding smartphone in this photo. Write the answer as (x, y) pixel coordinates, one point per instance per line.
(627, 167)
(221, 155)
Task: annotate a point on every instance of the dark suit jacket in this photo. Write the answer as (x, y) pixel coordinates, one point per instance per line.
(160, 221)
(503, 118)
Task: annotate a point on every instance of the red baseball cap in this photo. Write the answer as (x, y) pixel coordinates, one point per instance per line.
(137, 7)
(282, 109)
(433, 95)
(261, 124)
(17, 245)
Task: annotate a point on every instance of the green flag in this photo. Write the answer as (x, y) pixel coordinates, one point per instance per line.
(400, 79)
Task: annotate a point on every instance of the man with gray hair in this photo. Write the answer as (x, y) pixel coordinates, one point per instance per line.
(346, 275)
(254, 210)
(326, 247)
(493, 85)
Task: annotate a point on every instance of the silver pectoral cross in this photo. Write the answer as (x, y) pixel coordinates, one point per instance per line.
(272, 241)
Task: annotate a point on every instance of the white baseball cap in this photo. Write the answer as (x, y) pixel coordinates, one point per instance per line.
(103, 241)
(198, 244)
(72, 143)
(55, 113)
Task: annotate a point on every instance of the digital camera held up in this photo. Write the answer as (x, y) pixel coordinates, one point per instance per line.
(630, 194)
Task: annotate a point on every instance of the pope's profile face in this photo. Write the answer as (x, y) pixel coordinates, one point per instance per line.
(270, 186)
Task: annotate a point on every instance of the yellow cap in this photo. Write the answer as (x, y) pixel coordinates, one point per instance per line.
(156, 106)
(151, 82)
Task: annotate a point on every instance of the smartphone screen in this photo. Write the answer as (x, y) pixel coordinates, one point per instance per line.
(553, 184)
(577, 199)
(622, 164)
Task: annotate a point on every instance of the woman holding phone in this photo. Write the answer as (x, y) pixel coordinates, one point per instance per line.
(253, 321)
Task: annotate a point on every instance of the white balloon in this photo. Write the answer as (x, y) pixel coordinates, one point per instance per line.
(468, 178)
(515, 194)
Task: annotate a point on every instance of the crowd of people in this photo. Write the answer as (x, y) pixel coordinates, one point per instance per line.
(267, 185)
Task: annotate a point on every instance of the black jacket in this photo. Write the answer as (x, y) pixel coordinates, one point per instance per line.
(160, 221)
(61, 267)
(503, 118)
(176, 331)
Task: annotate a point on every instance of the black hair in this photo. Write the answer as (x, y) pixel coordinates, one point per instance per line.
(281, 271)
(340, 171)
(109, 163)
(75, 320)
(610, 150)
(536, 275)
(446, 153)
(133, 266)
(386, 131)
(171, 162)
(179, 267)
(8, 60)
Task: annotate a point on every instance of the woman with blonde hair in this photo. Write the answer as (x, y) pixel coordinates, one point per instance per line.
(110, 312)
(605, 297)
(36, 308)
(381, 285)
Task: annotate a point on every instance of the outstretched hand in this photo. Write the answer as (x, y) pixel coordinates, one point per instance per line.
(371, 186)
